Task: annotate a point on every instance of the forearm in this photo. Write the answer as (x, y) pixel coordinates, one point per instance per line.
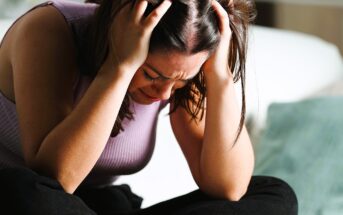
(225, 168)
(72, 148)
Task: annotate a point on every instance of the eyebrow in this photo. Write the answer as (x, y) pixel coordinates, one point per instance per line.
(163, 76)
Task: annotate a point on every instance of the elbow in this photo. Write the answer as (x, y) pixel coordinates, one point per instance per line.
(231, 193)
(67, 184)
(235, 191)
(234, 195)
(63, 178)
(67, 179)
(58, 168)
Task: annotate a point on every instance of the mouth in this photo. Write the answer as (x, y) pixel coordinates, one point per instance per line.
(149, 97)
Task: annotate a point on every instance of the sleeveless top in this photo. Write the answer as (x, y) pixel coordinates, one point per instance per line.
(127, 153)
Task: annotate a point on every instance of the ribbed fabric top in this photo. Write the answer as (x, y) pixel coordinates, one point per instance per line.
(126, 153)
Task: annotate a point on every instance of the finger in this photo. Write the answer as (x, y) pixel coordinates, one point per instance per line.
(224, 21)
(139, 9)
(155, 16)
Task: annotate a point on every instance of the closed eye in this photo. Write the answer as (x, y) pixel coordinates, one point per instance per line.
(178, 83)
(149, 77)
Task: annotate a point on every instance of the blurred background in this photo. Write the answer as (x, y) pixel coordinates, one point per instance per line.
(294, 105)
(323, 18)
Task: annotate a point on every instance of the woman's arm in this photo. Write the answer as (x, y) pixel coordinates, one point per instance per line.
(219, 167)
(58, 141)
(226, 168)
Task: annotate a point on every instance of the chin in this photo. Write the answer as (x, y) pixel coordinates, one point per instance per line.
(140, 100)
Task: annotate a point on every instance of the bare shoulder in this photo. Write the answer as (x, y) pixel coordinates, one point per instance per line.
(42, 46)
(43, 59)
(45, 18)
(42, 26)
(38, 35)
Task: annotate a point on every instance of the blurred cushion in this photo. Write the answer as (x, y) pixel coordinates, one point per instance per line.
(286, 66)
(303, 144)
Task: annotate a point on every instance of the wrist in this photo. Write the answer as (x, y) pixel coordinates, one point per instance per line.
(218, 78)
(110, 76)
(111, 69)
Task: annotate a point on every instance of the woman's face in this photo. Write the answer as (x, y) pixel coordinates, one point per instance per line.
(162, 74)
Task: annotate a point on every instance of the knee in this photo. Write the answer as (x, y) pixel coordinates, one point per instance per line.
(278, 191)
(21, 188)
(13, 183)
(13, 176)
(19, 179)
(16, 178)
(286, 192)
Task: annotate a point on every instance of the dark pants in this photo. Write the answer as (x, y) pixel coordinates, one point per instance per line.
(23, 192)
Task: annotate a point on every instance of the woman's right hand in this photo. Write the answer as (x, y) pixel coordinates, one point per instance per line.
(130, 33)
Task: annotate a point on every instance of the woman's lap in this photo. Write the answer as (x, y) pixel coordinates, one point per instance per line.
(25, 192)
(108, 200)
(265, 195)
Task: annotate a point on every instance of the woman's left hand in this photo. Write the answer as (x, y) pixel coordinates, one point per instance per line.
(217, 63)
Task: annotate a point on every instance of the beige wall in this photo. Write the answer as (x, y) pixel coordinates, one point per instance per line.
(323, 21)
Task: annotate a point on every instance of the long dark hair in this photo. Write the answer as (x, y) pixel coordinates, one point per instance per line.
(185, 21)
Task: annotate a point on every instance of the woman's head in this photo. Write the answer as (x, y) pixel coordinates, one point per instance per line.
(189, 27)
(163, 73)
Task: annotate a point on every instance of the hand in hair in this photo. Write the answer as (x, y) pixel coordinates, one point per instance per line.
(130, 33)
(217, 63)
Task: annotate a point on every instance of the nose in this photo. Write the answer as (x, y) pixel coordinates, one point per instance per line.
(165, 89)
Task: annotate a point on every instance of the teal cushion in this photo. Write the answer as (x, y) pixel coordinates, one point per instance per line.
(303, 145)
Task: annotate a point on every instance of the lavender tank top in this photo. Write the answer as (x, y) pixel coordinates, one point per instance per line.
(127, 153)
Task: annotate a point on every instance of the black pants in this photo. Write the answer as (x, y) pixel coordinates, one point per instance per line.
(23, 192)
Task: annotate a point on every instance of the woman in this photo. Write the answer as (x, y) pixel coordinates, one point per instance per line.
(88, 81)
